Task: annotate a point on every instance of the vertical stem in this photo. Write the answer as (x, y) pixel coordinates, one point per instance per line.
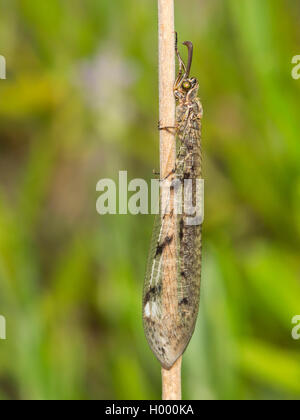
(166, 36)
(171, 379)
(171, 382)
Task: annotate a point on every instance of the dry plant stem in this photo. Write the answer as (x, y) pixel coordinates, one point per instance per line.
(171, 379)
(171, 382)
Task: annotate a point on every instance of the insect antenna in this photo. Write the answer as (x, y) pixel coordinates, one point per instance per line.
(190, 47)
(182, 68)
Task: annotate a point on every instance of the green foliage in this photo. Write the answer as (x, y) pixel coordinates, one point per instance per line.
(79, 104)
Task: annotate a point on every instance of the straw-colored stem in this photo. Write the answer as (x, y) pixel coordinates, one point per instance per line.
(171, 382)
(171, 379)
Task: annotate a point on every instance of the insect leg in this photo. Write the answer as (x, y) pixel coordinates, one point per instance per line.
(167, 128)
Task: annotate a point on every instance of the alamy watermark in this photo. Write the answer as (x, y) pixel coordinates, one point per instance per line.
(2, 67)
(2, 328)
(187, 197)
(296, 329)
(296, 68)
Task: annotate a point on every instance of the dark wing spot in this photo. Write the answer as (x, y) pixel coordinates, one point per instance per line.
(153, 291)
(181, 226)
(161, 247)
(147, 297)
(184, 301)
(159, 250)
(168, 240)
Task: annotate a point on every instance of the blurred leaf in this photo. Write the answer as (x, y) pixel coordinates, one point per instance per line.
(274, 367)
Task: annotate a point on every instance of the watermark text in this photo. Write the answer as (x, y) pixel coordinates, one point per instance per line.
(296, 329)
(296, 68)
(179, 196)
(2, 328)
(2, 67)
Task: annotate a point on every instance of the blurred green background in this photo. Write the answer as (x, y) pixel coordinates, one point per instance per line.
(80, 104)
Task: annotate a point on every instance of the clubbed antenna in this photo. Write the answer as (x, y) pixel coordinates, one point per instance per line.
(190, 47)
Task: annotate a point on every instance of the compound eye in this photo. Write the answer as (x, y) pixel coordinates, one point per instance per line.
(186, 85)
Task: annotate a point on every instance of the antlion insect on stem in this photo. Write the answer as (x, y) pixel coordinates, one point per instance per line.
(172, 283)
